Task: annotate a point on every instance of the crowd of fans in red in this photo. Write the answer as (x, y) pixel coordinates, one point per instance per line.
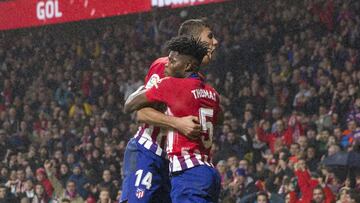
(288, 72)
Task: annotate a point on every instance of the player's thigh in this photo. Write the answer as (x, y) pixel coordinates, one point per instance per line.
(198, 184)
(147, 182)
(129, 167)
(130, 157)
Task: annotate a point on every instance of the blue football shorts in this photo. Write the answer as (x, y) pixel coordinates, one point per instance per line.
(200, 184)
(146, 176)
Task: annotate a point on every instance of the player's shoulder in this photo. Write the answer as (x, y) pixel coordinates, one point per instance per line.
(158, 66)
(190, 82)
(160, 61)
(183, 80)
(168, 79)
(180, 81)
(156, 72)
(209, 87)
(176, 83)
(165, 81)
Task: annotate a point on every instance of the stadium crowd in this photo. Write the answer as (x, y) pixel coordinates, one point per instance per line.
(288, 72)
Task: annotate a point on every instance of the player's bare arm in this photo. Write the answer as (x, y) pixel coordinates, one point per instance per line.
(188, 125)
(136, 101)
(129, 103)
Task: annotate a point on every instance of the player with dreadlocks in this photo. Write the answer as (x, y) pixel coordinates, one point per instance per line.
(152, 183)
(193, 177)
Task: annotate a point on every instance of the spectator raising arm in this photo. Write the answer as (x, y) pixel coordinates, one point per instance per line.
(61, 193)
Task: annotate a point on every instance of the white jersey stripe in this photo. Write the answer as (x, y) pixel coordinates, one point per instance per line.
(176, 164)
(147, 144)
(198, 157)
(158, 151)
(142, 140)
(206, 159)
(188, 161)
(138, 132)
(148, 132)
(170, 141)
(170, 138)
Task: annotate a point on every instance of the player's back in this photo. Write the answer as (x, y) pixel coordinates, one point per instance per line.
(184, 97)
(144, 157)
(152, 137)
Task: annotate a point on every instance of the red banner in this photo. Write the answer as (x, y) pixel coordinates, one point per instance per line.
(181, 3)
(26, 13)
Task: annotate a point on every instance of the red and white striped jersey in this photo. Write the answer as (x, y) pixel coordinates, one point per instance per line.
(149, 136)
(184, 97)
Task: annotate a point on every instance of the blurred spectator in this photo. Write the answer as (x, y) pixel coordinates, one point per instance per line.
(5, 196)
(44, 181)
(232, 146)
(108, 184)
(80, 180)
(40, 195)
(104, 196)
(29, 191)
(69, 192)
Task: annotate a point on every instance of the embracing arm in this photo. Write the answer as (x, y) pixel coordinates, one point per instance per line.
(188, 125)
(154, 117)
(136, 100)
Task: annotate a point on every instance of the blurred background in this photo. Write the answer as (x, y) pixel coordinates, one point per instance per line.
(288, 73)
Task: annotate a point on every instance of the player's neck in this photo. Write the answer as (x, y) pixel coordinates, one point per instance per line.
(191, 75)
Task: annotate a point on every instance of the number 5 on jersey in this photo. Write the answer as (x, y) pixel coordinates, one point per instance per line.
(146, 180)
(206, 126)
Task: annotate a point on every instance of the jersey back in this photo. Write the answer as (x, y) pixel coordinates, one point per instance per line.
(152, 137)
(184, 97)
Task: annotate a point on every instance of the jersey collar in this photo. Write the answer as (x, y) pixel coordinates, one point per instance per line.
(198, 76)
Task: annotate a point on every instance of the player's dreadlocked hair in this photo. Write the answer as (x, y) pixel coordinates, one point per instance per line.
(190, 46)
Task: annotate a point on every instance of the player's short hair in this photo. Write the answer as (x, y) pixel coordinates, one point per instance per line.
(193, 27)
(189, 46)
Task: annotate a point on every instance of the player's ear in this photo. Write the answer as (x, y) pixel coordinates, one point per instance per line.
(189, 67)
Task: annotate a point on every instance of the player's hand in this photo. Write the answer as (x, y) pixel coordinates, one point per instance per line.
(189, 126)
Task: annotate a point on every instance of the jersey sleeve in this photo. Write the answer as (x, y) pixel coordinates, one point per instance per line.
(161, 92)
(155, 73)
